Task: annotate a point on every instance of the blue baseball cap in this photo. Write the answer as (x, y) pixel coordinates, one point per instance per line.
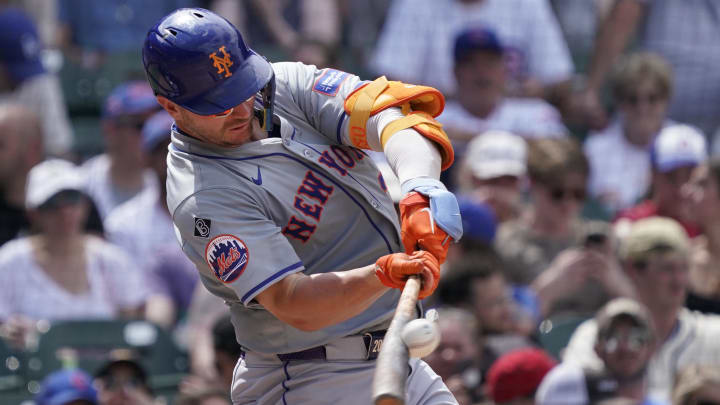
(676, 146)
(64, 386)
(20, 47)
(130, 98)
(156, 130)
(478, 220)
(476, 39)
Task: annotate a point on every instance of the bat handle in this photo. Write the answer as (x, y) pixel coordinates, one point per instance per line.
(391, 367)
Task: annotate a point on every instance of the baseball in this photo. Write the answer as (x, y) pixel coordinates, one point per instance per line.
(421, 336)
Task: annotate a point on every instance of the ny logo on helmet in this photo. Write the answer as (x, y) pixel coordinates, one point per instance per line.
(222, 63)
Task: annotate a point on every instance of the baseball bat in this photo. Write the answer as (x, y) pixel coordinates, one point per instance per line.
(391, 367)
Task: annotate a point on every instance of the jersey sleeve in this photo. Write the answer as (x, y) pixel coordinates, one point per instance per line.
(316, 97)
(232, 241)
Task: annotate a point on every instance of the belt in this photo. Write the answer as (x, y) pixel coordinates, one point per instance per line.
(371, 343)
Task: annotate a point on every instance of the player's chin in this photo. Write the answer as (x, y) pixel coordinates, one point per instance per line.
(237, 135)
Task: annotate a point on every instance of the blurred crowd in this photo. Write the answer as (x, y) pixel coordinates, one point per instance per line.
(587, 170)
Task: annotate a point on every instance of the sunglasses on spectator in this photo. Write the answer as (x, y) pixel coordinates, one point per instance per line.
(560, 194)
(635, 99)
(635, 340)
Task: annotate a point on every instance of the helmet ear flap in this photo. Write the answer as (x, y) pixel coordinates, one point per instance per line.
(160, 83)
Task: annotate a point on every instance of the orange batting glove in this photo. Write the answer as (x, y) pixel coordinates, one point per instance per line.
(418, 228)
(393, 270)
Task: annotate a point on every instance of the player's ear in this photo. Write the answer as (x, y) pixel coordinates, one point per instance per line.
(172, 108)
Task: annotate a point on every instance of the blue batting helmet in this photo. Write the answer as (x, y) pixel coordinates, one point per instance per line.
(199, 60)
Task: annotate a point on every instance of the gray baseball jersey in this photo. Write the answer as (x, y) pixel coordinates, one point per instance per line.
(300, 202)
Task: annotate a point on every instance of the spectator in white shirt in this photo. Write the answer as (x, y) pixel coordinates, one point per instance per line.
(619, 155)
(625, 341)
(143, 228)
(481, 68)
(416, 44)
(62, 272)
(655, 255)
(119, 174)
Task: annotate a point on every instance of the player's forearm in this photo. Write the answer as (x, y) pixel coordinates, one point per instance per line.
(613, 37)
(408, 153)
(411, 155)
(314, 302)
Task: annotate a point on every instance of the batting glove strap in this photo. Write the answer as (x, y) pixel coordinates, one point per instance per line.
(443, 204)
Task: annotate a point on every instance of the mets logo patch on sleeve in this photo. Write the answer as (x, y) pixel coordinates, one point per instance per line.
(227, 256)
(329, 82)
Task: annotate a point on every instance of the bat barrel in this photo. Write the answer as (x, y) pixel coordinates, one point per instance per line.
(391, 367)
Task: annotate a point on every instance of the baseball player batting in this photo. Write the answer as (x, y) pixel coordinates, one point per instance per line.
(285, 216)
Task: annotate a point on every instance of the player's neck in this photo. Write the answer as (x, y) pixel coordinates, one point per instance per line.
(257, 132)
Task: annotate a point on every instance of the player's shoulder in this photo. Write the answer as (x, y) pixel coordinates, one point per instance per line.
(299, 75)
(281, 69)
(289, 71)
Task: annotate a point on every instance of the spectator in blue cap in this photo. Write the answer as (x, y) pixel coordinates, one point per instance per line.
(67, 387)
(479, 222)
(120, 173)
(24, 79)
(481, 68)
(143, 227)
(482, 71)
